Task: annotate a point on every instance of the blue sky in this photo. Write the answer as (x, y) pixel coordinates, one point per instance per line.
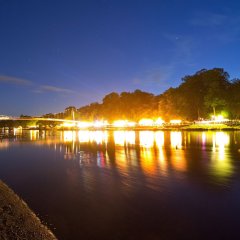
(59, 53)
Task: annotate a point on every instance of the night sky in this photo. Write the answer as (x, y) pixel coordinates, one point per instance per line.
(54, 54)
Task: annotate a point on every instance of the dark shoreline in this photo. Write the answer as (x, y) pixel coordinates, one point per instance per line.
(17, 220)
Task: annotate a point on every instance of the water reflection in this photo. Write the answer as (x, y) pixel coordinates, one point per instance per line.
(99, 137)
(124, 137)
(154, 153)
(124, 176)
(221, 162)
(4, 144)
(176, 139)
(69, 136)
(34, 135)
(159, 138)
(146, 139)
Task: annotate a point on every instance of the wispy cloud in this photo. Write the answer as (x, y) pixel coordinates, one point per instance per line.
(34, 87)
(225, 28)
(207, 19)
(14, 80)
(49, 88)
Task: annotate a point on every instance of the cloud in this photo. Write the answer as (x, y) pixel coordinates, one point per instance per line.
(49, 88)
(203, 19)
(225, 28)
(14, 80)
(33, 86)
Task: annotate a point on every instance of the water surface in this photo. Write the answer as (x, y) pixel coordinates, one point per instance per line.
(126, 184)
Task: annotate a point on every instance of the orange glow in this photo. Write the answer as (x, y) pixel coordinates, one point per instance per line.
(121, 159)
(123, 123)
(130, 137)
(146, 139)
(17, 131)
(84, 124)
(159, 121)
(149, 162)
(159, 139)
(83, 136)
(69, 136)
(124, 137)
(119, 138)
(146, 122)
(99, 124)
(174, 121)
(162, 161)
(176, 139)
(220, 140)
(98, 136)
(92, 136)
(4, 144)
(68, 124)
(120, 123)
(179, 160)
(34, 135)
(131, 124)
(219, 118)
(221, 163)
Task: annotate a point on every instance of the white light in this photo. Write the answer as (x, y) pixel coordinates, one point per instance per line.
(146, 122)
(175, 121)
(159, 121)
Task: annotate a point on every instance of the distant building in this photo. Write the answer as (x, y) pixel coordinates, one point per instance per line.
(70, 112)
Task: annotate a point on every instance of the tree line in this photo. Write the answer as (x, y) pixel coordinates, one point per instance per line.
(199, 96)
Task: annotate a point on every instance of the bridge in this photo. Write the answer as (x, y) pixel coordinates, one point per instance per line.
(35, 122)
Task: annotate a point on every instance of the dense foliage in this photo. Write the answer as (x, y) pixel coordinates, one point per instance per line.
(206, 93)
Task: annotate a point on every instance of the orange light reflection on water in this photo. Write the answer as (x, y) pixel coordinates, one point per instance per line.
(178, 158)
(146, 139)
(124, 137)
(147, 153)
(34, 135)
(4, 143)
(176, 139)
(221, 164)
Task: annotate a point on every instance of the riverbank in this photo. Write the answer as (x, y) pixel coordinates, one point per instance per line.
(17, 221)
(164, 127)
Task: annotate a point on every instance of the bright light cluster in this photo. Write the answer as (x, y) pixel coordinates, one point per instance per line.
(123, 123)
(219, 118)
(159, 121)
(175, 121)
(84, 124)
(145, 122)
(99, 124)
(68, 124)
(150, 122)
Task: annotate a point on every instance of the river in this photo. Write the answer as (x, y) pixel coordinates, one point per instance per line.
(126, 184)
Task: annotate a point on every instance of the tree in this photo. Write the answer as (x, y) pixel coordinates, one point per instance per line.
(216, 89)
(234, 98)
(111, 106)
(90, 112)
(199, 95)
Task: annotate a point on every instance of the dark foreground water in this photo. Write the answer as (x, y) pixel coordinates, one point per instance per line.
(128, 185)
